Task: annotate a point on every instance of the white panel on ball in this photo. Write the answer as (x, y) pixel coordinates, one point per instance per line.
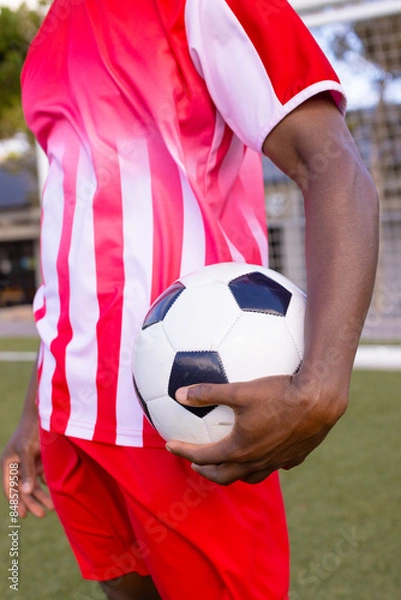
(200, 317)
(294, 319)
(219, 422)
(257, 346)
(174, 422)
(152, 348)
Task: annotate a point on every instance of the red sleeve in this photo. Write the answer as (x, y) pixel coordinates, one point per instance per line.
(290, 54)
(259, 62)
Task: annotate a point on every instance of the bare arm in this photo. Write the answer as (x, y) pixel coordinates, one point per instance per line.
(341, 236)
(280, 420)
(23, 449)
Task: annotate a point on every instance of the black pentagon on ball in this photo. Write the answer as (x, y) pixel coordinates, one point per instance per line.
(255, 292)
(190, 368)
(163, 304)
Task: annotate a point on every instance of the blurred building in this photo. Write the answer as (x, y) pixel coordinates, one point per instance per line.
(19, 231)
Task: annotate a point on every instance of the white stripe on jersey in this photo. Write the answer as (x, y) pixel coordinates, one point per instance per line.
(234, 73)
(136, 191)
(235, 254)
(227, 175)
(258, 233)
(193, 242)
(81, 352)
(219, 130)
(52, 225)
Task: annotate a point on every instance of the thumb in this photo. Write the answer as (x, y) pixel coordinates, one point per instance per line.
(207, 394)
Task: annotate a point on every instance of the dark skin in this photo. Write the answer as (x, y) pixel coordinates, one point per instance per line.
(279, 420)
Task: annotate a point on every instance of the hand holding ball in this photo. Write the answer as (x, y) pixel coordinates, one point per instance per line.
(225, 323)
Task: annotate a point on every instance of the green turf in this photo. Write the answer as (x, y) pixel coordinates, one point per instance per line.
(343, 507)
(343, 504)
(18, 344)
(47, 567)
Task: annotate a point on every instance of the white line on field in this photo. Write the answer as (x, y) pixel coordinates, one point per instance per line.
(386, 358)
(18, 356)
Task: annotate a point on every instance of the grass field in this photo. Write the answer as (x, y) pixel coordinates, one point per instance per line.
(343, 505)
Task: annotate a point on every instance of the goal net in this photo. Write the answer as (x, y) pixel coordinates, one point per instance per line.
(363, 42)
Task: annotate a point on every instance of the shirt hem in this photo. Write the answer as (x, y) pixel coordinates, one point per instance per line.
(128, 438)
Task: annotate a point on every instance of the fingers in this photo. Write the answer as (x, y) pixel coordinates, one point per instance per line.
(34, 498)
(229, 473)
(27, 471)
(36, 503)
(205, 395)
(258, 476)
(6, 462)
(294, 463)
(273, 429)
(223, 474)
(22, 472)
(216, 462)
(44, 498)
(28, 504)
(205, 454)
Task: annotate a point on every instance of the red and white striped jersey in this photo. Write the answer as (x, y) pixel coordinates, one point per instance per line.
(152, 115)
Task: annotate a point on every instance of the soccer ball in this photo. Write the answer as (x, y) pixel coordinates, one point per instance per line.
(224, 323)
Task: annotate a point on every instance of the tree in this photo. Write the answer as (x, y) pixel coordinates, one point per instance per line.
(17, 29)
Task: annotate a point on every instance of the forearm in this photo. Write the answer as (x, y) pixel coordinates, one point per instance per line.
(341, 244)
(314, 147)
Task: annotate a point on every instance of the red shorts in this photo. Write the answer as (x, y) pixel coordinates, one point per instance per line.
(145, 510)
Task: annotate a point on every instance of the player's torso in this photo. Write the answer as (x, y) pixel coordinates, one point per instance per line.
(111, 74)
(141, 172)
(114, 84)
